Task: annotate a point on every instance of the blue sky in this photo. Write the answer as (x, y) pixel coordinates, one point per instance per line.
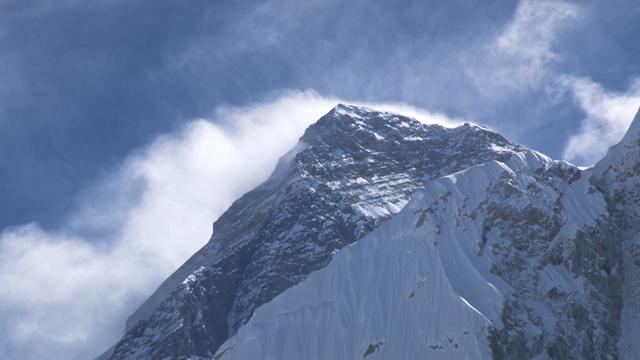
(84, 83)
(98, 101)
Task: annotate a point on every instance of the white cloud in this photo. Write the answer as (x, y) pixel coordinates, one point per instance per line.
(518, 58)
(531, 33)
(608, 116)
(65, 293)
(521, 58)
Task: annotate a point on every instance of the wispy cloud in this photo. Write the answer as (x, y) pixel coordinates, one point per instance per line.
(518, 58)
(65, 293)
(533, 30)
(608, 115)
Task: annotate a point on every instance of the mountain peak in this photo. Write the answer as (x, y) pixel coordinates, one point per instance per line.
(343, 108)
(354, 169)
(622, 161)
(346, 125)
(633, 133)
(352, 112)
(347, 107)
(359, 114)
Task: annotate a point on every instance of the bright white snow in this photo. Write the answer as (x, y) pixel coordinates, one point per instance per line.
(414, 288)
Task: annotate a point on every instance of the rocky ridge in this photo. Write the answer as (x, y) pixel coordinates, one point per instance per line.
(512, 260)
(352, 170)
(384, 238)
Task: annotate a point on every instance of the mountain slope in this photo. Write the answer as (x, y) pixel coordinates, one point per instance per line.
(503, 260)
(352, 170)
(618, 177)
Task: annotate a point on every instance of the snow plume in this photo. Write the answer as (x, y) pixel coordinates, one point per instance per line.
(65, 293)
(608, 115)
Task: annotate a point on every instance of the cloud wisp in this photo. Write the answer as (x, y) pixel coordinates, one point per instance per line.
(521, 59)
(65, 293)
(608, 116)
(530, 36)
(518, 58)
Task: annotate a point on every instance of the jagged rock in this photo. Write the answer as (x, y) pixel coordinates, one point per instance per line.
(617, 177)
(512, 301)
(352, 170)
(501, 253)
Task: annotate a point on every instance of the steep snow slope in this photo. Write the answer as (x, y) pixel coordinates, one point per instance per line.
(618, 177)
(506, 260)
(352, 170)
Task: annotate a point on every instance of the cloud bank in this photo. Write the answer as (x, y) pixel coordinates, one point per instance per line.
(65, 293)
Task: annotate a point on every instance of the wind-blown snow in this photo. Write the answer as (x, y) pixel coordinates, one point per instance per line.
(351, 171)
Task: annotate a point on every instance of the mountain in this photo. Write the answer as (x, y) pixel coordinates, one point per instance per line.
(351, 171)
(502, 260)
(529, 258)
(380, 237)
(617, 176)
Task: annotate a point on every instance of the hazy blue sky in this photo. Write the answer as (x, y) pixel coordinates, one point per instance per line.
(98, 101)
(83, 83)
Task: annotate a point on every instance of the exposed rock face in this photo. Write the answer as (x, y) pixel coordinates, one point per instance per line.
(352, 170)
(510, 260)
(501, 253)
(537, 227)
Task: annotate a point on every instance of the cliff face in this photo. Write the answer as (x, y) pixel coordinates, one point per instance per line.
(352, 170)
(617, 175)
(385, 238)
(509, 260)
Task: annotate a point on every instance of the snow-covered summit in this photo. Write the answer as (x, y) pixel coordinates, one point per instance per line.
(352, 170)
(525, 258)
(501, 260)
(381, 237)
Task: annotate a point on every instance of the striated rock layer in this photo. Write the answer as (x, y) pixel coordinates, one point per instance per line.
(490, 251)
(512, 260)
(352, 170)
